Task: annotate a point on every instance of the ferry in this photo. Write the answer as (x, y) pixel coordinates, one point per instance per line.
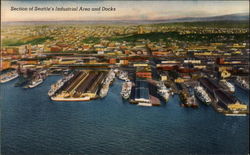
(8, 76)
(86, 98)
(163, 91)
(202, 95)
(126, 89)
(228, 85)
(35, 82)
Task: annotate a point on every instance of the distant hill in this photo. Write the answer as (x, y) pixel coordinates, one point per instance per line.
(230, 17)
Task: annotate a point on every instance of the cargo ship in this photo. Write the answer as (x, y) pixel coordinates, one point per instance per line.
(122, 75)
(188, 101)
(105, 87)
(8, 76)
(242, 82)
(225, 102)
(55, 87)
(126, 89)
(227, 85)
(202, 95)
(163, 91)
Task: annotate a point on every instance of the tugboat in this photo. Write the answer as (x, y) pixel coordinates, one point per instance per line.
(126, 89)
(188, 101)
(192, 101)
(202, 95)
(163, 91)
(8, 76)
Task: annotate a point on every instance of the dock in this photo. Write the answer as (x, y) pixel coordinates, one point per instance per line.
(223, 101)
(84, 84)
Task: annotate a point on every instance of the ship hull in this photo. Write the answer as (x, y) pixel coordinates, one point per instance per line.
(32, 86)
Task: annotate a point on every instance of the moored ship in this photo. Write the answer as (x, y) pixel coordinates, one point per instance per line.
(188, 101)
(105, 87)
(126, 89)
(35, 82)
(191, 102)
(242, 82)
(227, 85)
(163, 91)
(8, 76)
(202, 95)
(55, 87)
(38, 79)
(122, 75)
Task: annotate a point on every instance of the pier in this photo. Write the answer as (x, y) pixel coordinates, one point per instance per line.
(83, 84)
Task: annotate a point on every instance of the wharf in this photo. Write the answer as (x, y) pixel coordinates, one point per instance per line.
(217, 108)
(223, 101)
(84, 85)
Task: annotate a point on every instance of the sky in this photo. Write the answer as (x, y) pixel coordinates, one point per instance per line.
(125, 10)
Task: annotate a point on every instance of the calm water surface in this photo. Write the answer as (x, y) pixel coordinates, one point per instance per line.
(33, 124)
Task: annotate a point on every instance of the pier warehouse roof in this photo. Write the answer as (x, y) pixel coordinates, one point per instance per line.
(141, 91)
